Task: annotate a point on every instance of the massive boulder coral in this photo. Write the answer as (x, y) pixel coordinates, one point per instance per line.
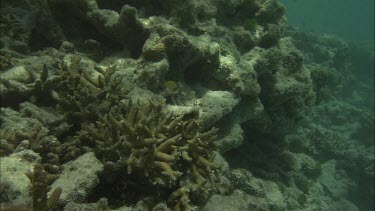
(162, 153)
(286, 86)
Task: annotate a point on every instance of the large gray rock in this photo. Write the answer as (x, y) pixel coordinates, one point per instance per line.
(232, 139)
(335, 181)
(78, 178)
(13, 178)
(240, 201)
(215, 105)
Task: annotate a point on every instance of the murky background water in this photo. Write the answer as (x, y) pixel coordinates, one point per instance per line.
(349, 19)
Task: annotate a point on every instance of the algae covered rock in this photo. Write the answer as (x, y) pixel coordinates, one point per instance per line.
(14, 182)
(232, 139)
(101, 204)
(334, 180)
(241, 201)
(215, 105)
(50, 118)
(78, 178)
(15, 128)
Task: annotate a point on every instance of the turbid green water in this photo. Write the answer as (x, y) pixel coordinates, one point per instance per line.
(353, 22)
(349, 19)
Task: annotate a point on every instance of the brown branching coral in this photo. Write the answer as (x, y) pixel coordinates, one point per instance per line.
(161, 152)
(180, 198)
(44, 87)
(41, 181)
(81, 96)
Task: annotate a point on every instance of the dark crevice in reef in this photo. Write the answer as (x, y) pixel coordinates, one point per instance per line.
(39, 42)
(199, 73)
(261, 153)
(120, 194)
(114, 5)
(148, 7)
(12, 99)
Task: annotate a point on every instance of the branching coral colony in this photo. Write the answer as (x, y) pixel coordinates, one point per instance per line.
(81, 96)
(162, 153)
(156, 155)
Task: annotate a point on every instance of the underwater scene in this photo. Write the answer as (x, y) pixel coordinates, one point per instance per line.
(187, 105)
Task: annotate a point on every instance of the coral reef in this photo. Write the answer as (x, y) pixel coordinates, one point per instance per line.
(331, 139)
(119, 99)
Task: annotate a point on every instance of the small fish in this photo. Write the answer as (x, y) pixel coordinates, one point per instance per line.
(170, 85)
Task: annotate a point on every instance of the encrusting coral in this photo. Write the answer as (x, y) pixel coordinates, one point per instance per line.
(154, 150)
